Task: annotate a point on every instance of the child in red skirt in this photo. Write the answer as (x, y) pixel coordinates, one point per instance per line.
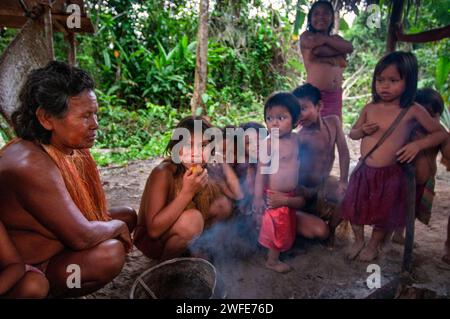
(376, 194)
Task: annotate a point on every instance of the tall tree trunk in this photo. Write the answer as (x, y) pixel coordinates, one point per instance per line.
(396, 16)
(201, 67)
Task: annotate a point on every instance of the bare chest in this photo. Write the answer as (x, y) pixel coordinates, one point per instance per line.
(385, 119)
(315, 143)
(288, 151)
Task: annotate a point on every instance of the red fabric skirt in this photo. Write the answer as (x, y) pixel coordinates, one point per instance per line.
(278, 228)
(376, 196)
(332, 103)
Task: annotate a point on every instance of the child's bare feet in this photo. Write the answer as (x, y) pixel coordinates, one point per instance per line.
(386, 246)
(398, 238)
(278, 266)
(354, 250)
(446, 257)
(444, 263)
(368, 254)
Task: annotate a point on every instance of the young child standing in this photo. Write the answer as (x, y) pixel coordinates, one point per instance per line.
(278, 223)
(376, 194)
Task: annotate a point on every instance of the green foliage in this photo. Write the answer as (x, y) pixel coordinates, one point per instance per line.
(132, 134)
(299, 17)
(445, 118)
(442, 71)
(369, 46)
(430, 14)
(6, 36)
(143, 57)
(434, 59)
(6, 133)
(151, 60)
(138, 134)
(343, 26)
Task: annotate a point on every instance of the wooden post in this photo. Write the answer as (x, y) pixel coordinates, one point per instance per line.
(396, 16)
(410, 217)
(48, 29)
(72, 54)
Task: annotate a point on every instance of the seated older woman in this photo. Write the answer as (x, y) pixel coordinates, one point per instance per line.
(51, 198)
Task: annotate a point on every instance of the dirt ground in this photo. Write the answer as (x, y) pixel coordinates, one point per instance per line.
(318, 272)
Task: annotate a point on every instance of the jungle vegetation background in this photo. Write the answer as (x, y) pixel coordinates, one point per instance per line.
(142, 57)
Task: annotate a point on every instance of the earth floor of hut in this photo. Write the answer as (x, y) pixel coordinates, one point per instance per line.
(317, 272)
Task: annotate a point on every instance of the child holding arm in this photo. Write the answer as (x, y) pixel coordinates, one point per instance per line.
(376, 194)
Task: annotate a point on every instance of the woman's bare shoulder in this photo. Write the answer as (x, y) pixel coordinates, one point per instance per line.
(27, 167)
(306, 34)
(165, 169)
(306, 39)
(25, 156)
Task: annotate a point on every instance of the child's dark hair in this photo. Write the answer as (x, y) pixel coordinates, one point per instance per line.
(431, 100)
(308, 91)
(227, 136)
(224, 130)
(406, 64)
(187, 123)
(316, 4)
(287, 100)
(254, 125)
